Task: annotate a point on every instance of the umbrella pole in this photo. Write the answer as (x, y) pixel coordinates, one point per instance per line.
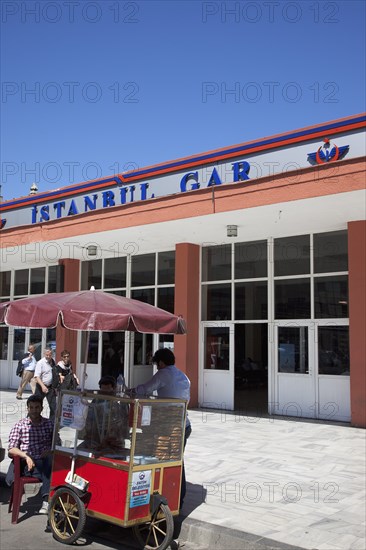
(72, 469)
(83, 376)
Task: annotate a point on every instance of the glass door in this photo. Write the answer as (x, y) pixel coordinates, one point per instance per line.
(218, 366)
(295, 370)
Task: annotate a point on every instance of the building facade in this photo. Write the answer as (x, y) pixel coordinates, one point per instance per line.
(260, 246)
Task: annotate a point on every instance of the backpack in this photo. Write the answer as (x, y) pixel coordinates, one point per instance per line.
(55, 376)
(20, 367)
(69, 382)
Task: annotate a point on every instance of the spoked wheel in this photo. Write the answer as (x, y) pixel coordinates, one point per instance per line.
(158, 533)
(66, 515)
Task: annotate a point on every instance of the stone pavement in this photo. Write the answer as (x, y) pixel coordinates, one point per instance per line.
(255, 483)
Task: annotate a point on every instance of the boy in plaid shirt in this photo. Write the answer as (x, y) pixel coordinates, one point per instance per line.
(31, 439)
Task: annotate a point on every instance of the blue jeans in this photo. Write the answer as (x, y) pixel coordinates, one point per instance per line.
(42, 470)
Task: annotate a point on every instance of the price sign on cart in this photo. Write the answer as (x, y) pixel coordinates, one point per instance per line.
(140, 488)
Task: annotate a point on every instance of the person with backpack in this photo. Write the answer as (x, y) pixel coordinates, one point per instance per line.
(26, 367)
(68, 378)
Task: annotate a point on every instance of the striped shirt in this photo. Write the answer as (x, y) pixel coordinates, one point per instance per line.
(30, 438)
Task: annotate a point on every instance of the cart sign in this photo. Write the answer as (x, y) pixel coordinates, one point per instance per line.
(140, 490)
(74, 412)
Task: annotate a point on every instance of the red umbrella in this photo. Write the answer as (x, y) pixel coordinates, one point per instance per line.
(90, 310)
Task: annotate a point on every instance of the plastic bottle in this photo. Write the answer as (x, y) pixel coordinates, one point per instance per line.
(120, 384)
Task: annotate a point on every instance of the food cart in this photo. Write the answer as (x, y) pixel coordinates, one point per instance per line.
(117, 459)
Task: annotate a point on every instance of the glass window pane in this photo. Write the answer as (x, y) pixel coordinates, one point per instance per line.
(166, 299)
(21, 282)
(331, 297)
(51, 340)
(143, 349)
(4, 339)
(292, 255)
(143, 270)
(292, 299)
(38, 280)
(166, 341)
(251, 300)
(166, 268)
(117, 292)
(146, 295)
(333, 350)
(113, 350)
(35, 338)
(115, 272)
(91, 274)
(56, 278)
(217, 348)
(19, 343)
(293, 350)
(216, 302)
(93, 348)
(251, 260)
(5, 278)
(216, 263)
(330, 252)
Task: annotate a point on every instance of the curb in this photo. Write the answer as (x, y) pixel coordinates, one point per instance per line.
(218, 537)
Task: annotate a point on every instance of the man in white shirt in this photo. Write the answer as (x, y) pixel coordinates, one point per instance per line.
(29, 364)
(169, 381)
(44, 374)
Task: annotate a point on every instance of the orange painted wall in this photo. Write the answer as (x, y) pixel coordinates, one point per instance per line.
(357, 320)
(67, 339)
(186, 347)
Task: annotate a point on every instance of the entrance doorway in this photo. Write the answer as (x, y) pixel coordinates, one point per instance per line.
(235, 367)
(251, 368)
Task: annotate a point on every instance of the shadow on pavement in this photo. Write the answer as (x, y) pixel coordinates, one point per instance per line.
(98, 532)
(31, 503)
(195, 496)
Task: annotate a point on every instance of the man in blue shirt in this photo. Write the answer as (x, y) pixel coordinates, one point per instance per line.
(169, 381)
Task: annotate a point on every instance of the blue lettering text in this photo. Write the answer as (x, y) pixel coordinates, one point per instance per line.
(214, 179)
(58, 206)
(108, 199)
(45, 216)
(241, 170)
(90, 203)
(73, 209)
(185, 179)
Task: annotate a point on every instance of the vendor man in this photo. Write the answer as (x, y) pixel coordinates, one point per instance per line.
(169, 381)
(31, 440)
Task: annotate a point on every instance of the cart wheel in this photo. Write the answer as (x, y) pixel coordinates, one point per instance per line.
(158, 533)
(66, 515)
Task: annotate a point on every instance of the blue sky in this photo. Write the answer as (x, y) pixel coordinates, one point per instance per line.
(91, 88)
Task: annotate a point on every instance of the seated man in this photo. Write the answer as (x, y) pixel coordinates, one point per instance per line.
(31, 439)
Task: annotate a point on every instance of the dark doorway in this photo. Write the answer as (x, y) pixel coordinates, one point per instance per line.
(251, 368)
(113, 353)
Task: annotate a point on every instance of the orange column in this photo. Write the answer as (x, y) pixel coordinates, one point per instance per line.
(187, 285)
(357, 320)
(67, 339)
